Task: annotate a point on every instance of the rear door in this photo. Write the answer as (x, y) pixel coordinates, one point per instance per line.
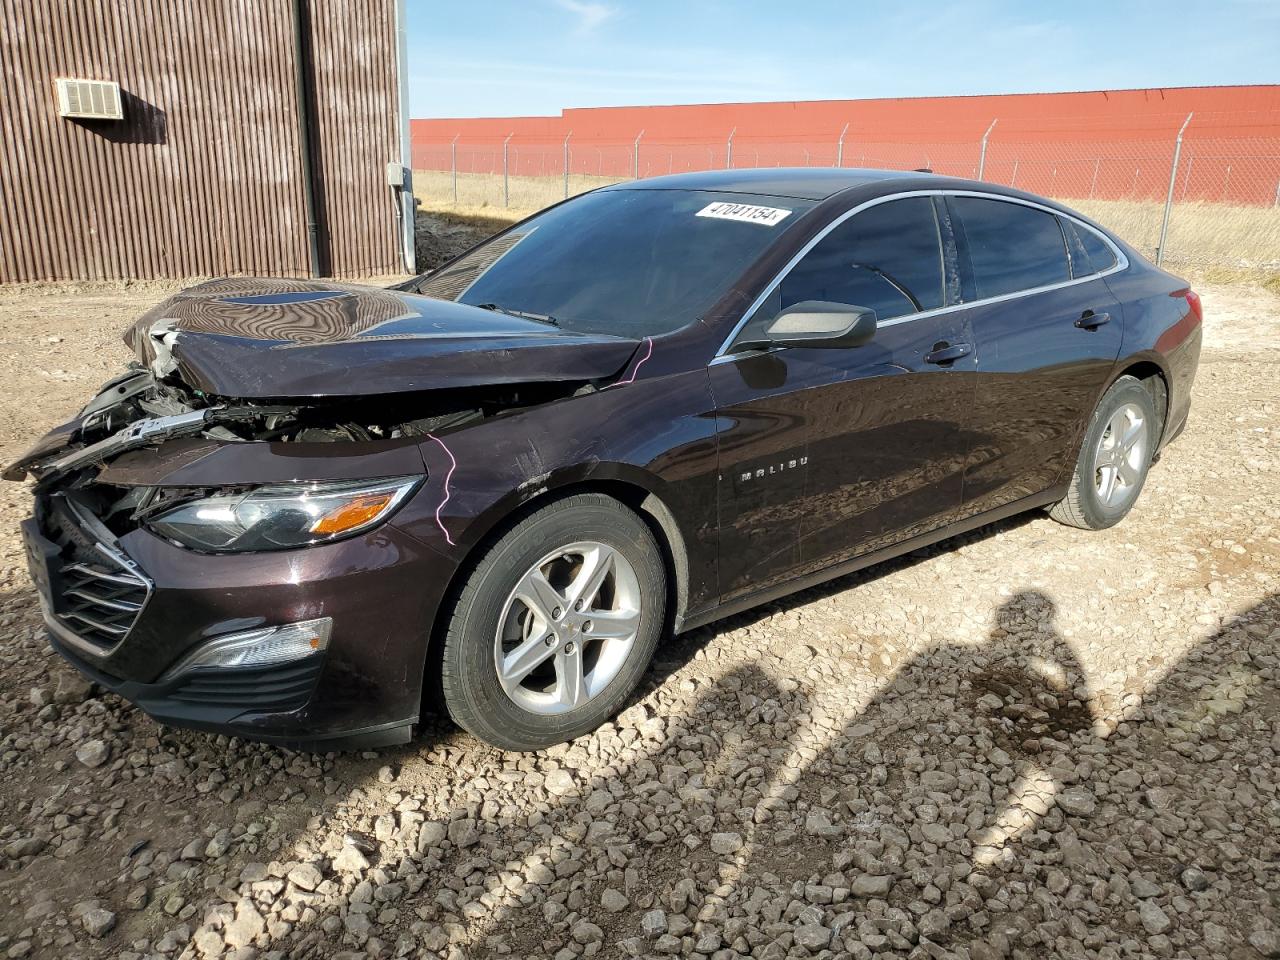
(1047, 331)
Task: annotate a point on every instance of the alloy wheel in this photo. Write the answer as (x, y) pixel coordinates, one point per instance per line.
(567, 627)
(1121, 457)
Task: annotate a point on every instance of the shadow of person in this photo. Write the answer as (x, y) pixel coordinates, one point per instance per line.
(961, 754)
(648, 832)
(991, 802)
(758, 803)
(987, 800)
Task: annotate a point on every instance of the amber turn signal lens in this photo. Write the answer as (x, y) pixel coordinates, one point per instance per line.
(353, 513)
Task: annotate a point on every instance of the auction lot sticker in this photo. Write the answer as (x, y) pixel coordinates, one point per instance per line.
(746, 212)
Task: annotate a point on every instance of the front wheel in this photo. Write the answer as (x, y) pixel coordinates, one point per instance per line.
(1114, 459)
(555, 625)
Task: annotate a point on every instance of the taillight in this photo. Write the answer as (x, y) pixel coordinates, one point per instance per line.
(1193, 301)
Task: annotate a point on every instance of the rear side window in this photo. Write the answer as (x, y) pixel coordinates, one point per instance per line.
(1011, 247)
(887, 258)
(1090, 254)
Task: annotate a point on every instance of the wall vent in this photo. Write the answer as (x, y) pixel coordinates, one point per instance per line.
(89, 99)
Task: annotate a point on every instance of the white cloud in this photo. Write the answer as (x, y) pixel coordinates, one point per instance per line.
(590, 14)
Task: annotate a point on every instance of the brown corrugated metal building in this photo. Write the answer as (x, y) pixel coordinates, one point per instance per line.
(206, 172)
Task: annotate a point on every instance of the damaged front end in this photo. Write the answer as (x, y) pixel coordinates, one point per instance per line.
(212, 530)
(282, 363)
(131, 453)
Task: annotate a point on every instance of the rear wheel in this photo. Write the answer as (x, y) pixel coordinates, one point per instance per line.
(556, 625)
(1114, 459)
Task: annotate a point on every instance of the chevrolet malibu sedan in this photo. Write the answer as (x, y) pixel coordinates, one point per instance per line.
(311, 512)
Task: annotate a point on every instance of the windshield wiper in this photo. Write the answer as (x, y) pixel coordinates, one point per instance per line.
(539, 317)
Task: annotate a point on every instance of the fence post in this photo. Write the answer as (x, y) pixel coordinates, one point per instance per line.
(566, 163)
(728, 150)
(840, 147)
(506, 184)
(982, 154)
(635, 157)
(1173, 179)
(1277, 202)
(453, 163)
(1093, 184)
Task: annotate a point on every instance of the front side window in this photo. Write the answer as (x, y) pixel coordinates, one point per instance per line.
(1012, 247)
(887, 258)
(632, 263)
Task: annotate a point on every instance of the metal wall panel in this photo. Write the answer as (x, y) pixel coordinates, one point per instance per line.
(358, 130)
(203, 176)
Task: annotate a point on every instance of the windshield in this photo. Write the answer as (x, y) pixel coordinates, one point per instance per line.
(632, 263)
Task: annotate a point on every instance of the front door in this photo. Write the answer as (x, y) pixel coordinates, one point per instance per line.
(827, 454)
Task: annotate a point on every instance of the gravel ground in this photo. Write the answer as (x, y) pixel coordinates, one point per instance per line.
(1029, 741)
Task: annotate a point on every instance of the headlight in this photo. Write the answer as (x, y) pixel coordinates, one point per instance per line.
(284, 516)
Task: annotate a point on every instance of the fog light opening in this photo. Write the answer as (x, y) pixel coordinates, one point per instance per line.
(263, 647)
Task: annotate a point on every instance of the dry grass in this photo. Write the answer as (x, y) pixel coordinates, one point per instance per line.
(1245, 239)
(1268, 280)
(480, 195)
(1238, 243)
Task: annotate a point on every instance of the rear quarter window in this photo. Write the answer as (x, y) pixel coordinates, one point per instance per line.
(1011, 247)
(1101, 256)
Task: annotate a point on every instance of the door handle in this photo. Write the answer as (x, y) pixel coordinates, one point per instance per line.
(944, 353)
(1092, 321)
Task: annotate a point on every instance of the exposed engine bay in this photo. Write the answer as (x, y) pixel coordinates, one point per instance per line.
(138, 410)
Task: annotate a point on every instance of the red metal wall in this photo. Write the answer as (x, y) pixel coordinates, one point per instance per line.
(1107, 143)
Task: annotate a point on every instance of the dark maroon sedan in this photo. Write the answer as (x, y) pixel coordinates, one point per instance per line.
(312, 511)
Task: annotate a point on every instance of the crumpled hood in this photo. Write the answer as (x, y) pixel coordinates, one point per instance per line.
(277, 339)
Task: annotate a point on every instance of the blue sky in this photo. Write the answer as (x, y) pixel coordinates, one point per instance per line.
(514, 57)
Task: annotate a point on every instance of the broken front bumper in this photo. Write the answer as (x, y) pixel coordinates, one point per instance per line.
(123, 612)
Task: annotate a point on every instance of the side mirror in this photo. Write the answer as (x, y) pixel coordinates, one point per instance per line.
(818, 324)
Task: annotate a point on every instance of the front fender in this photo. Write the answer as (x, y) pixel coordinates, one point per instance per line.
(656, 435)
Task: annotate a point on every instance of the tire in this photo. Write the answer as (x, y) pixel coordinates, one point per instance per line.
(1109, 476)
(504, 607)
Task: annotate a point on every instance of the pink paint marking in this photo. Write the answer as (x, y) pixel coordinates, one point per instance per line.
(632, 378)
(447, 477)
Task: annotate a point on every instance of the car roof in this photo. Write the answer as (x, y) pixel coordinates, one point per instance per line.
(800, 183)
(819, 183)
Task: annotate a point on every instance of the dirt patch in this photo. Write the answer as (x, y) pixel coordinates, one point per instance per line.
(440, 238)
(827, 773)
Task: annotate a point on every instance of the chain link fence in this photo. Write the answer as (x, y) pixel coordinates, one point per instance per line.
(1215, 199)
